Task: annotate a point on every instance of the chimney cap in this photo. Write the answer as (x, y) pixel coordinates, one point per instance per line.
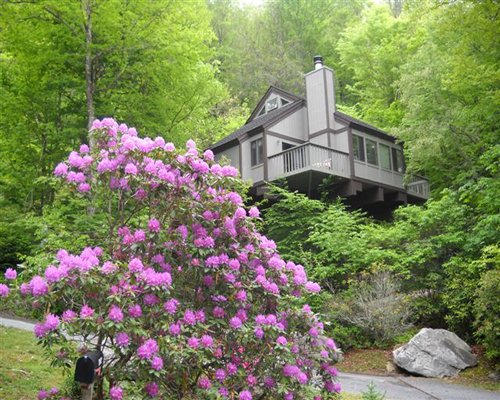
(318, 62)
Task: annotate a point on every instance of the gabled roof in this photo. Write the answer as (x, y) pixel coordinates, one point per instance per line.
(364, 126)
(271, 89)
(259, 123)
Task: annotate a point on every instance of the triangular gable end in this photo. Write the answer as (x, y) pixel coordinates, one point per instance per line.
(273, 98)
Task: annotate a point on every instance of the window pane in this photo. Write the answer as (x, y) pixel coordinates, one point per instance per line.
(371, 152)
(253, 151)
(358, 148)
(260, 151)
(398, 163)
(272, 104)
(385, 156)
(256, 152)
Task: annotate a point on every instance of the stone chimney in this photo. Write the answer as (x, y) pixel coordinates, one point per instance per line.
(320, 95)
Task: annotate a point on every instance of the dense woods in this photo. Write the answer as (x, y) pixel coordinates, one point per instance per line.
(426, 71)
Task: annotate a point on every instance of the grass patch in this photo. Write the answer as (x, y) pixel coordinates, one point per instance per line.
(477, 376)
(24, 369)
(366, 361)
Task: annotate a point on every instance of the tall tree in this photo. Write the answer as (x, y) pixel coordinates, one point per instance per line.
(274, 44)
(65, 63)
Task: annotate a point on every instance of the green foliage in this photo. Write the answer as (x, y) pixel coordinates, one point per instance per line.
(274, 44)
(15, 236)
(439, 250)
(487, 310)
(372, 393)
(375, 305)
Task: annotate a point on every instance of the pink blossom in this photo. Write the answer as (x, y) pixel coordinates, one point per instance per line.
(259, 333)
(51, 322)
(189, 317)
(169, 147)
(61, 169)
(4, 290)
(235, 323)
(245, 395)
(86, 312)
(40, 330)
(254, 212)
(220, 375)
(53, 274)
(131, 169)
(193, 342)
(154, 225)
(312, 287)
(171, 306)
(10, 274)
(115, 313)
(135, 311)
(116, 393)
(148, 349)
(157, 363)
(38, 286)
(151, 389)
(207, 341)
(174, 329)
(135, 265)
(83, 187)
(69, 315)
(122, 339)
(204, 383)
(108, 268)
(208, 155)
(281, 340)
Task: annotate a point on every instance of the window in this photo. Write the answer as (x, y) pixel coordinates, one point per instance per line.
(398, 161)
(286, 146)
(272, 104)
(371, 152)
(358, 147)
(283, 102)
(257, 152)
(385, 156)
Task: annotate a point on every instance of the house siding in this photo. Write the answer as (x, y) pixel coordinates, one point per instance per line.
(232, 154)
(294, 126)
(340, 141)
(321, 140)
(317, 112)
(254, 174)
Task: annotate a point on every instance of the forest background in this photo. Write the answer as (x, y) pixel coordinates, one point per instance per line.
(427, 71)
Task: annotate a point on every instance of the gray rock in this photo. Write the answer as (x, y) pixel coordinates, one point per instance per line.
(434, 353)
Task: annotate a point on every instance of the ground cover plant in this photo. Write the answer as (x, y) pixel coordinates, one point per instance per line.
(185, 296)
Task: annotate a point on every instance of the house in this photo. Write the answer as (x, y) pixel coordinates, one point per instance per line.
(308, 140)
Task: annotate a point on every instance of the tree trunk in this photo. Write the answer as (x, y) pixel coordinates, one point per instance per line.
(89, 75)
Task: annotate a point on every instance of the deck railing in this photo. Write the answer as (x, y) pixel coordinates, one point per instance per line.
(419, 186)
(306, 157)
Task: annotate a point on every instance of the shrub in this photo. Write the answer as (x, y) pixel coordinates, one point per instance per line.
(487, 310)
(185, 297)
(372, 393)
(375, 305)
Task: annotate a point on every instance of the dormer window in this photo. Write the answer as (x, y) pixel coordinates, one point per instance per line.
(272, 104)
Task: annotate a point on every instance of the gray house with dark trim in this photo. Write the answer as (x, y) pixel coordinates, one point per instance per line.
(307, 140)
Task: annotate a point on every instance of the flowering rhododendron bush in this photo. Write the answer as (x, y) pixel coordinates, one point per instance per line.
(185, 297)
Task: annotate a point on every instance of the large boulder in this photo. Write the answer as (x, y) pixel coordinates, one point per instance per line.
(434, 353)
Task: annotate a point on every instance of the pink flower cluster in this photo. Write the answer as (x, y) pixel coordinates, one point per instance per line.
(186, 283)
